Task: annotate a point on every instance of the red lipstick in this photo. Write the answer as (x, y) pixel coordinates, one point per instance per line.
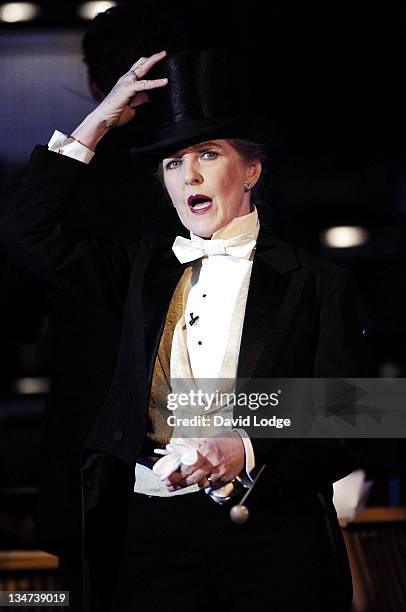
(199, 203)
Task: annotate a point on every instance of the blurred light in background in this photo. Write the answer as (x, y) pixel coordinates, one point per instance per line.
(13, 12)
(344, 237)
(31, 385)
(89, 10)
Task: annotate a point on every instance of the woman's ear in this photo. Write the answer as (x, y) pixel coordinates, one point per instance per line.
(253, 172)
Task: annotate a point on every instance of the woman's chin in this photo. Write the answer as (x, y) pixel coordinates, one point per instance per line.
(204, 228)
(202, 224)
(203, 231)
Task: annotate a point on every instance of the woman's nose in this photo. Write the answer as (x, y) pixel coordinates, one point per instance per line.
(192, 175)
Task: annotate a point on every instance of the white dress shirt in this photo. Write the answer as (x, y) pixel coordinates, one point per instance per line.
(208, 351)
(218, 299)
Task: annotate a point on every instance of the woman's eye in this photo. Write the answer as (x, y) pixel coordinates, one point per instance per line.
(172, 164)
(208, 154)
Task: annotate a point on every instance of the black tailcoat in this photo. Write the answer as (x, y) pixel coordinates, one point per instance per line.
(300, 321)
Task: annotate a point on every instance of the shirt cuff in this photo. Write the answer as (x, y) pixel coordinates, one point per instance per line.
(246, 478)
(68, 146)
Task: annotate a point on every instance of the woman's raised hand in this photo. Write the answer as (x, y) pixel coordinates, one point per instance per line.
(118, 107)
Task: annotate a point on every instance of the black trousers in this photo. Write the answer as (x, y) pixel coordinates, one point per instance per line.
(185, 554)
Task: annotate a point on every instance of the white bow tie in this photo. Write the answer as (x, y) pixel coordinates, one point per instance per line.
(189, 250)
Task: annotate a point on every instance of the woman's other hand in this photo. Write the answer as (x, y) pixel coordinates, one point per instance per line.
(119, 106)
(221, 459)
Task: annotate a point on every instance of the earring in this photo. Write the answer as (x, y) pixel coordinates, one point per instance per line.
(247, 187)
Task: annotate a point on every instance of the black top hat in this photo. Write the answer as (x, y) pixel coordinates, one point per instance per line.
(208, 96)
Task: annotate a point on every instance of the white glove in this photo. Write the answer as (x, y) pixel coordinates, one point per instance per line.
(185, 450)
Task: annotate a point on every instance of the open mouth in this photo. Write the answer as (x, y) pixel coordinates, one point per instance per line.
(199, 203)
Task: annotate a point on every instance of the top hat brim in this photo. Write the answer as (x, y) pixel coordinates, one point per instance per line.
(187, 132)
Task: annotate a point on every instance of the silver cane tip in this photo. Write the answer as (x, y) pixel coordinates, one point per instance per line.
(239, 514)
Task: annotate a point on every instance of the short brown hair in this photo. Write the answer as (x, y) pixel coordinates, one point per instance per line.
(248, 151)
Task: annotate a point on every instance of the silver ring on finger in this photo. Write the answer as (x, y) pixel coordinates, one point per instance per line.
(210, 481)
(133, 74)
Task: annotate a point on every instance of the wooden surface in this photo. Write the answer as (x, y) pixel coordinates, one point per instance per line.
(27, 560)
(382, 514)
(377, 514)
(376, 546)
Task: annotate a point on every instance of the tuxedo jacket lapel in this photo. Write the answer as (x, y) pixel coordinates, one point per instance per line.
(273, 298)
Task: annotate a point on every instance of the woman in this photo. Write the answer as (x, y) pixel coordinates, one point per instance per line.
(232, 303)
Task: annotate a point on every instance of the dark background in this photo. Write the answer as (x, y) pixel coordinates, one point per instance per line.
(331, 76)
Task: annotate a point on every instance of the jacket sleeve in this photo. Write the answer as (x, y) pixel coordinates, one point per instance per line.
(338, 354)
(34, 229)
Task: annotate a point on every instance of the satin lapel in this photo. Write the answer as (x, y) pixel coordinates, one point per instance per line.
(161, 277)
(273, 298)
